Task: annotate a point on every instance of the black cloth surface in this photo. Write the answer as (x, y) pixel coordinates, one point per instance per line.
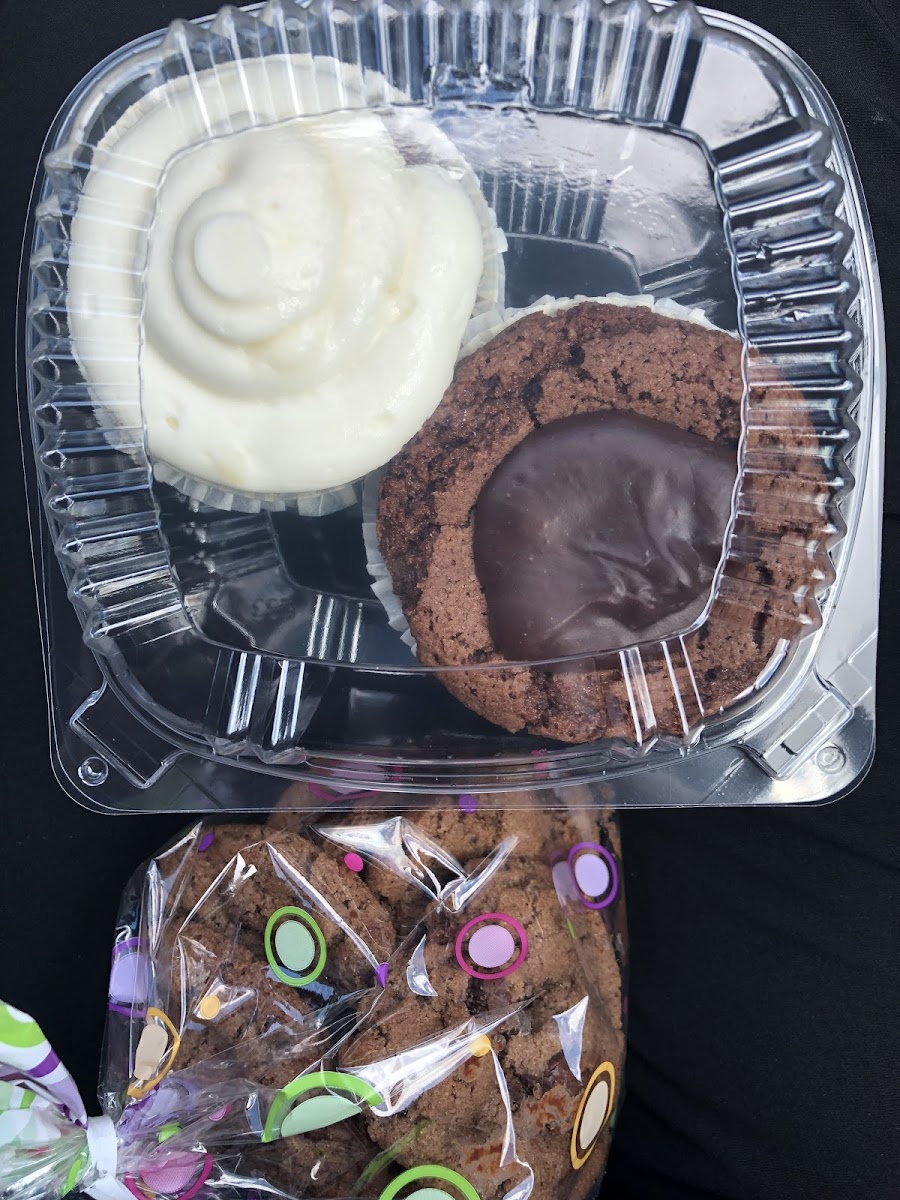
(765, 976)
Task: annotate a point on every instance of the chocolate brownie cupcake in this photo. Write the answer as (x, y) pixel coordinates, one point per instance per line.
(570, 499)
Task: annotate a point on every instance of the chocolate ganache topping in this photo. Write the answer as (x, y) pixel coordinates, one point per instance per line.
(600, 531)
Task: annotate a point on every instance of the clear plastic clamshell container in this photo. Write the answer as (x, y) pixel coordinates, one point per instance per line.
(205, 643)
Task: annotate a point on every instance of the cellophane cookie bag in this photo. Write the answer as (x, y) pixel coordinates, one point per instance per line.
(404, 1006)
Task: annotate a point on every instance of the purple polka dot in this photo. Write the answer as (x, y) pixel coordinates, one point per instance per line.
(491, 946)
(592, 875)
(129, 978)
(206, 841)
(562, 880)
(467, 803)
(381, 974)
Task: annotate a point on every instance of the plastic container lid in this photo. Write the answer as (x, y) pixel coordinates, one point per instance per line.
(681, 157)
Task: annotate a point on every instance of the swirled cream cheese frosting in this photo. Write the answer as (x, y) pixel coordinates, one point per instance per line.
(294, 293)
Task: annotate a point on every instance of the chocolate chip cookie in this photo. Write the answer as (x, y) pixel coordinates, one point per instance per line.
(405, 1027)
(509, 1028)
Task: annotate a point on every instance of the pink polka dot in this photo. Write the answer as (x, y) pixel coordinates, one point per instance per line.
(176, 1174)
(353, 862)
(499, 930)
(491, 946)
(173, 1176)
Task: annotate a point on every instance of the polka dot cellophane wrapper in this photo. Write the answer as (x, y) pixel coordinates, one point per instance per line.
(408, 1005)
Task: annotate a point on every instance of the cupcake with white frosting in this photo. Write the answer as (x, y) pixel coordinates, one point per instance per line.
(283, 275)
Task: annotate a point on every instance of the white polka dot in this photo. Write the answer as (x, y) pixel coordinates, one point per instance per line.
(431, 1194)
(593, 1114)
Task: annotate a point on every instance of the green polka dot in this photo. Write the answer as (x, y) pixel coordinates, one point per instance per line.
(428, 1173)
(77, 1169)
(21, 1034)
(317, 1113)
(340, 1086)
(287, 944)
(168, 1131)
(294, 945)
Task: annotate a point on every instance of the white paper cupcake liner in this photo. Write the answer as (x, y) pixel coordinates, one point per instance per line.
(482, 329)
(382, 584)
(307, 504)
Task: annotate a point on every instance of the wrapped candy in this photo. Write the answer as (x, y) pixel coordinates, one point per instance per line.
(402, 1006)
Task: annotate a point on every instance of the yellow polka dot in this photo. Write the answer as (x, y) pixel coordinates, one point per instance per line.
(480, 1045)
(209, 1008)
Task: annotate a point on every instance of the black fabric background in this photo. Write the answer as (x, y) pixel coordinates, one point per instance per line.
(765, 1022)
